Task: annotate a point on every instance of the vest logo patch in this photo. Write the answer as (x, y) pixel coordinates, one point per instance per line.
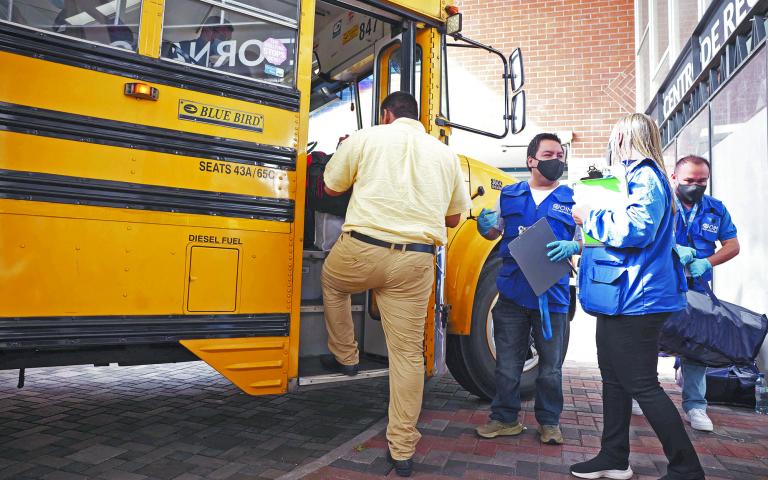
(711, 228)
(561, 208)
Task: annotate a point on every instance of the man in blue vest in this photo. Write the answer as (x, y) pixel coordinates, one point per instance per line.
(518, 311)
(701, 221)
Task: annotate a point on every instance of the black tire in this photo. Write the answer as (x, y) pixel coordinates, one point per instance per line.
(469, 357)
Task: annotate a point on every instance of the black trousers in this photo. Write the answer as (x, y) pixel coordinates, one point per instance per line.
(627, 348)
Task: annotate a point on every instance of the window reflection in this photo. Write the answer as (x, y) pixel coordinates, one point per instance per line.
(670, 158)
(283, 8)
(200, 34)
(110, 22)
(740, 180)
(694, 137)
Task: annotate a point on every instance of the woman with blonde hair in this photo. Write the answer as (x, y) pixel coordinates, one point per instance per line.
(632, 283)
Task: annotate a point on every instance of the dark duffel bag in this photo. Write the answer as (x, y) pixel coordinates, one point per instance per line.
(713, 332)
(732, 386)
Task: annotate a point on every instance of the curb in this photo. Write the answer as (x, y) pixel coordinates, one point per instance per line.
(337, 452)
(341, 450)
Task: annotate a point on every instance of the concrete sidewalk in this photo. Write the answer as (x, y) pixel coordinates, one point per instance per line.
(738, 449)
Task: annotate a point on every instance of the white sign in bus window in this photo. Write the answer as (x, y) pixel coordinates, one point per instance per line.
(228, 41)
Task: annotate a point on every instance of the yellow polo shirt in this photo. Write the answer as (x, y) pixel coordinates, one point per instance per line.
(405, 182)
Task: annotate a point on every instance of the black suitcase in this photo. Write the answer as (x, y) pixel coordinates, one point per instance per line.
(732, 386)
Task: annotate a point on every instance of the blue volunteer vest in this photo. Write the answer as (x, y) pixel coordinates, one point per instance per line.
(519, 212)
(710, 224)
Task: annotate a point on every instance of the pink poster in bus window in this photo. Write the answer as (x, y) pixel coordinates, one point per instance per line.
(274, 51)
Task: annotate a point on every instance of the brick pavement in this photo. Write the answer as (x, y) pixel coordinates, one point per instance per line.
(449, 448)
(181, 421)
(185, 422)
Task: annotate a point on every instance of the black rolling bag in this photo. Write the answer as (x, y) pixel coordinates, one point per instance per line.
(732, 386)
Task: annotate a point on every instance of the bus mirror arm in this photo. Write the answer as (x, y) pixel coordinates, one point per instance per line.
(464, 42)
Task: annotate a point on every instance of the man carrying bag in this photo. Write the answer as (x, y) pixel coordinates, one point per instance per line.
(709, 332)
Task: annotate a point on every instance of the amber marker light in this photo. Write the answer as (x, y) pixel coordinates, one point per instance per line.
(453, 23)
(141, 90)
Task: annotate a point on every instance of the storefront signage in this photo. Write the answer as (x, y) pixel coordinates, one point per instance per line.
(721, 26)
(713, 31)
(677, 88)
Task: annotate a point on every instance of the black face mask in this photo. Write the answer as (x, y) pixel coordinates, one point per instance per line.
(691, 193)
(551, 169)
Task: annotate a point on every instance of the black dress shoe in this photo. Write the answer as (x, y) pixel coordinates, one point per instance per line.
(403, 468)
(329, 362)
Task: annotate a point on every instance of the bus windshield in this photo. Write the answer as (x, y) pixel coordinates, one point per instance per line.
(337, 118)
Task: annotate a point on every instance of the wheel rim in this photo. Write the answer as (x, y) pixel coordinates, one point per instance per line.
(533, 356)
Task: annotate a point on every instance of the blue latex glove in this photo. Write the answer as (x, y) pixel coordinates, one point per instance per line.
(486, 221)
(562, 250)
(699, 267)
(686, 254)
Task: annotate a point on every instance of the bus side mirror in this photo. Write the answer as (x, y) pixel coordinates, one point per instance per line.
(516, 72)
(518, 112)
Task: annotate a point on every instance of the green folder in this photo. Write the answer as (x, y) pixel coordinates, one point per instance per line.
(606, 183)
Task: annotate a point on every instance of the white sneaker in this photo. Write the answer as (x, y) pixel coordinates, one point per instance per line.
(636, 410)
(699, 420)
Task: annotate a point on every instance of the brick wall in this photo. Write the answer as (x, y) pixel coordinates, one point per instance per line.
(579, 61)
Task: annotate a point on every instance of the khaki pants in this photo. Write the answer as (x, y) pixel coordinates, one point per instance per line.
(402, 284)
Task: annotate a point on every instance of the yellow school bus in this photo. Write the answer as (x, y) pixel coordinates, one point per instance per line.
(153, 163)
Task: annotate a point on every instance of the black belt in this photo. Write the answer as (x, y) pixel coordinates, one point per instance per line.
(408, 247)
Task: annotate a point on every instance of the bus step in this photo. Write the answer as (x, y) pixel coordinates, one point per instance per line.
(313, 308)
(338, 377)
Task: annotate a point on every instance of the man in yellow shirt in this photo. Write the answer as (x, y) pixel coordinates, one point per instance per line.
(407, 187)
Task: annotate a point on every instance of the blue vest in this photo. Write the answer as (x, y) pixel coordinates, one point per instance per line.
(520, 212)
(637, 271)
(711, 223)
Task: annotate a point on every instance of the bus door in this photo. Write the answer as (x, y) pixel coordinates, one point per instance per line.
(150, 157)
(359, 60)
(345, 41)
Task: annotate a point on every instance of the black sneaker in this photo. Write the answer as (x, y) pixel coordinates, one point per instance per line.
(329, 362)
(601, 468)
(403, 468)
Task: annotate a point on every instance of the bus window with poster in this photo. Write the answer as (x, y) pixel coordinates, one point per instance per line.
(238, 39)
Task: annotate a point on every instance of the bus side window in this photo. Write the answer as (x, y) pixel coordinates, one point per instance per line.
(258, 45)
(103, 21)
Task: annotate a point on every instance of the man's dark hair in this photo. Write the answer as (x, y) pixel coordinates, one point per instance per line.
(401, 104)
(694, 159)
(533, 147)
